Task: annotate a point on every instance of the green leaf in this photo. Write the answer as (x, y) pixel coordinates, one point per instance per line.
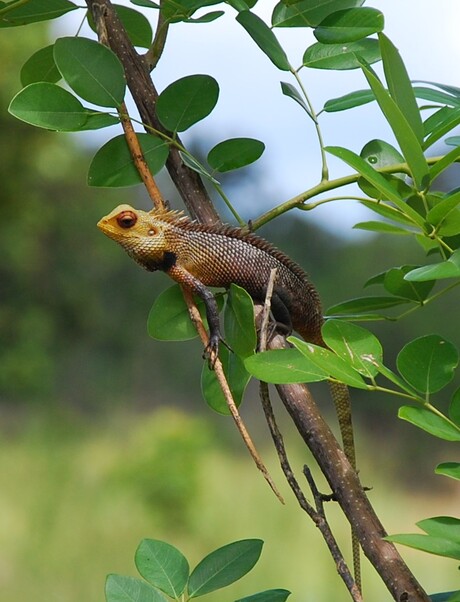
(92, 70)
(306, 13)
(48, 106)
(349, 101)
(291, 91)
(402, 129)
(265, 39)
(356, 345)
(436, 96)
(446, 527)
(437, 271)
(428, 363)
(187, 101)
(146, 3)
(38, 10)
(269, 595)
(284, 366)
(237, 377)
(169, 319)
(449, 469)
(174, 11)
(207, 18)
(136, 24)
(429, 422)
(454, 407)
(224, 566)
(235, 153)
(340, 56)
(388, 212)
(454, 90)
(113, 165)
(399, 85)
(365, 304)
(130, 589)
(396, 284)
(445, 161)
(349, 25)
(240, 329)
(162, 565)
(40, 67)
(445, 597)
(453, 141)
(379, 153)
(374, 226)
(195, 165)
(439, 124)
(445, 216)
(396, 181)
(97, 120)
(331, 363)
(396, 379)
(427, 543)
(377, 180)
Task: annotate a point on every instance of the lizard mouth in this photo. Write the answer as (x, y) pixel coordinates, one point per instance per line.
(108, 229)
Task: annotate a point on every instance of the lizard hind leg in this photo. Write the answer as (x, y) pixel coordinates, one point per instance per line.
(281, 313)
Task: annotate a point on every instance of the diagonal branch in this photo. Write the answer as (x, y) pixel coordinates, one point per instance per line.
(187, 181)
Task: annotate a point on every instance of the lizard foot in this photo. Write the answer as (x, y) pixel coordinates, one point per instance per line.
(211, 351)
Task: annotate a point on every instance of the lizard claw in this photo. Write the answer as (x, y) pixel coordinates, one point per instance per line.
(211, 351)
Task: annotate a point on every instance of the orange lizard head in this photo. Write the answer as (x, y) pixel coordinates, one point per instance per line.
(140, 233)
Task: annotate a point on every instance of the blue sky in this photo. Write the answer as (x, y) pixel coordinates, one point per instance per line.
(251, 103)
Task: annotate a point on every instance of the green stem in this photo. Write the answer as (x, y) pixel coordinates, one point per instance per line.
(314, 116)
(331, 199)
(226, 200)
(153, 54)
(438, 413)
(397, 393)
(298, 200)
(12, 6)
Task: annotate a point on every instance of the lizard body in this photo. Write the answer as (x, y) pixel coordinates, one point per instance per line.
(198, 256)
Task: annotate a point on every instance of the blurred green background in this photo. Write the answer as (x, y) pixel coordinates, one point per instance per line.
(104, 438)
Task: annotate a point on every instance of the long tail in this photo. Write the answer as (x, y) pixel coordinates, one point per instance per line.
(341, 398)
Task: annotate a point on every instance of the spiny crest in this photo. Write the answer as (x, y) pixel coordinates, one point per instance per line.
(179, 219)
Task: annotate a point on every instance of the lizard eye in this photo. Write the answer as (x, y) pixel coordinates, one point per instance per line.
(126, 219)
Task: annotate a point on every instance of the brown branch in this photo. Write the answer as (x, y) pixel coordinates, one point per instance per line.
(187, 181)
(139, 160)
(220, 375)
(348, 491)
(318, 516)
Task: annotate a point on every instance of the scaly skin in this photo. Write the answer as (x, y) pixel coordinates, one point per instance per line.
(199, 256)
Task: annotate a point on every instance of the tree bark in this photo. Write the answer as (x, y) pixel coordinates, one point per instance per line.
(297, 399)
(188, 182)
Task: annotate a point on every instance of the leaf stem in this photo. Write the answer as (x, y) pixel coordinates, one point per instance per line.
(314, 116)
(438, 413)
(226, 200)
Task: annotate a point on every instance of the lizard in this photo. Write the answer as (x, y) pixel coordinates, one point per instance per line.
(199, 256)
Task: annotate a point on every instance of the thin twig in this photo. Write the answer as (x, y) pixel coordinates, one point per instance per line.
(218, 369)
(318, 516)
(139, 160)
(266, 311)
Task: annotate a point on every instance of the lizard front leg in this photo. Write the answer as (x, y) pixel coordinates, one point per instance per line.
(182, 276)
